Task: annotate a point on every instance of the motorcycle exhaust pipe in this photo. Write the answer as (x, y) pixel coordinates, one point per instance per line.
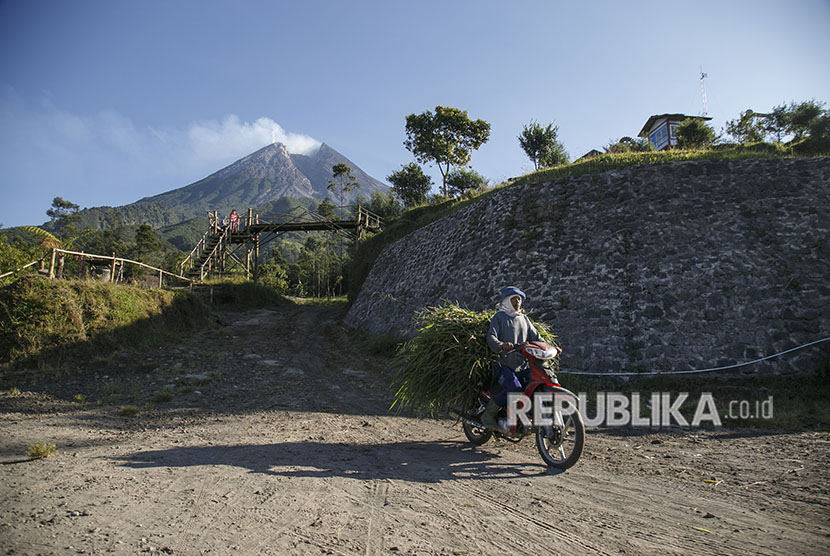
(466, 420)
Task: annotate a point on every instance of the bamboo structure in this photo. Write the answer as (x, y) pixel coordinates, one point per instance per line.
(114, 264)
(220, 246)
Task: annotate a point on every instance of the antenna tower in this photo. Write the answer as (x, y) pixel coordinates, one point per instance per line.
(703, 92)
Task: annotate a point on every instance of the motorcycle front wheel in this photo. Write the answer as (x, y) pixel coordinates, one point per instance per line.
(562, 448)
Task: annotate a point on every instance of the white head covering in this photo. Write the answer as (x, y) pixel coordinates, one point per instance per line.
(506, 306)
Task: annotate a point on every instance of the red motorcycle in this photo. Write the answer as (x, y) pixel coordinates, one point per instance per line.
(543, 408)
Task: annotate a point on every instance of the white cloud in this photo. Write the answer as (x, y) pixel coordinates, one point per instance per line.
(105, 159)
(211, 139)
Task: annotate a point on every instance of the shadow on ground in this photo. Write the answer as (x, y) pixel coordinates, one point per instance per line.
(424, 462)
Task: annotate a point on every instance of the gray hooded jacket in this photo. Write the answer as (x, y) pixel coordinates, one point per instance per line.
(516, 330)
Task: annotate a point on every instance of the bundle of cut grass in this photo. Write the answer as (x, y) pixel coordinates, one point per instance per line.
(447, 362)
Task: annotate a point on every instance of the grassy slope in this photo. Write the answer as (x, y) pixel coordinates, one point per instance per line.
(44, 324)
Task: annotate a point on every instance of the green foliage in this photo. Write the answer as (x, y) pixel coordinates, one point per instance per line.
(410, 184)
(240, 292)
(326, 209)
(104, 242)
(542, 146)
(464, 182)
(15, 256)
(694, 133)
(272, 274)
(629, 145)
(342, 180)
(320, 270)
(445, 138)
(807, 119)
(448, 361)
(63, 213)
(383, 204)
(750, 127)
(607, 162)
(62, 209)
(41, 450)
(806, 124)
(146, 241)
(128, 411)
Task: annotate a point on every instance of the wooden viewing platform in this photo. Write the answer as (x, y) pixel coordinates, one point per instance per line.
(221, 245)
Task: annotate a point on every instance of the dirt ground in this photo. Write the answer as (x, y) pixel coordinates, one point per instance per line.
(270, 435)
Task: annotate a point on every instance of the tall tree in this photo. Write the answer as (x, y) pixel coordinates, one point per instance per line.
(777, 122)
(63, 210)
(806, 119)
(385, 205)
(694, 133)
(463, 181)
(342, 180)
(64, 214)
(445, 138)
(146, 241)
(410, 184)
(748, 128)
(542, 146)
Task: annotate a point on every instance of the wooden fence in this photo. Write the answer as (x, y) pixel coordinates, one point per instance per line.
(114, 266)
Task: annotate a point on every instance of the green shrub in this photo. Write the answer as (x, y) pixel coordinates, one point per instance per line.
(40, 450)
(616, 161)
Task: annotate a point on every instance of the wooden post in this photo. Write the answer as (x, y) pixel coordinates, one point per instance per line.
(160, 283)
(256, 256)
(250, 216)
(112, 271)
(52, 264)
(248, 262)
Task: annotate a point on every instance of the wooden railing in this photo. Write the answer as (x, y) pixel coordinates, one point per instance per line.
(215, 254)
(113, 264)
(18, 269)
(194, 254)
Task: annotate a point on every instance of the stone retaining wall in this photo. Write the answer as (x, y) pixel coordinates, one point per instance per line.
(667, 267)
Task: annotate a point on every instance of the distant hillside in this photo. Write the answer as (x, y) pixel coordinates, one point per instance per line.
(256, 181)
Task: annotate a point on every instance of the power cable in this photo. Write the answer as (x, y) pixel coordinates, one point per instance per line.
(709, 370)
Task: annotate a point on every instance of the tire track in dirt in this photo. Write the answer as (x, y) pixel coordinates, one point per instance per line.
(577, 545)
(378, 497)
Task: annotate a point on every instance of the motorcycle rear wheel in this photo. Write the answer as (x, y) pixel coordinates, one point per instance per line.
(476, 435)
(562, 448)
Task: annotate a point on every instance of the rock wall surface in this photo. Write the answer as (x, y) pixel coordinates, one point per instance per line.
(676, 266)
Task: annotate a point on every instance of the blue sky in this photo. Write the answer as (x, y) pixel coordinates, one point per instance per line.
(106, 102)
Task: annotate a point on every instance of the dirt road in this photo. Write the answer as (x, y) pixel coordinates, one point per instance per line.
(270, 436)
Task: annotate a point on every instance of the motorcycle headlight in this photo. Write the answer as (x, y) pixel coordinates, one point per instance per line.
(543, 354)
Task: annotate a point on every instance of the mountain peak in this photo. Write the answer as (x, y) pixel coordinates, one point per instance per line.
(266, 175)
